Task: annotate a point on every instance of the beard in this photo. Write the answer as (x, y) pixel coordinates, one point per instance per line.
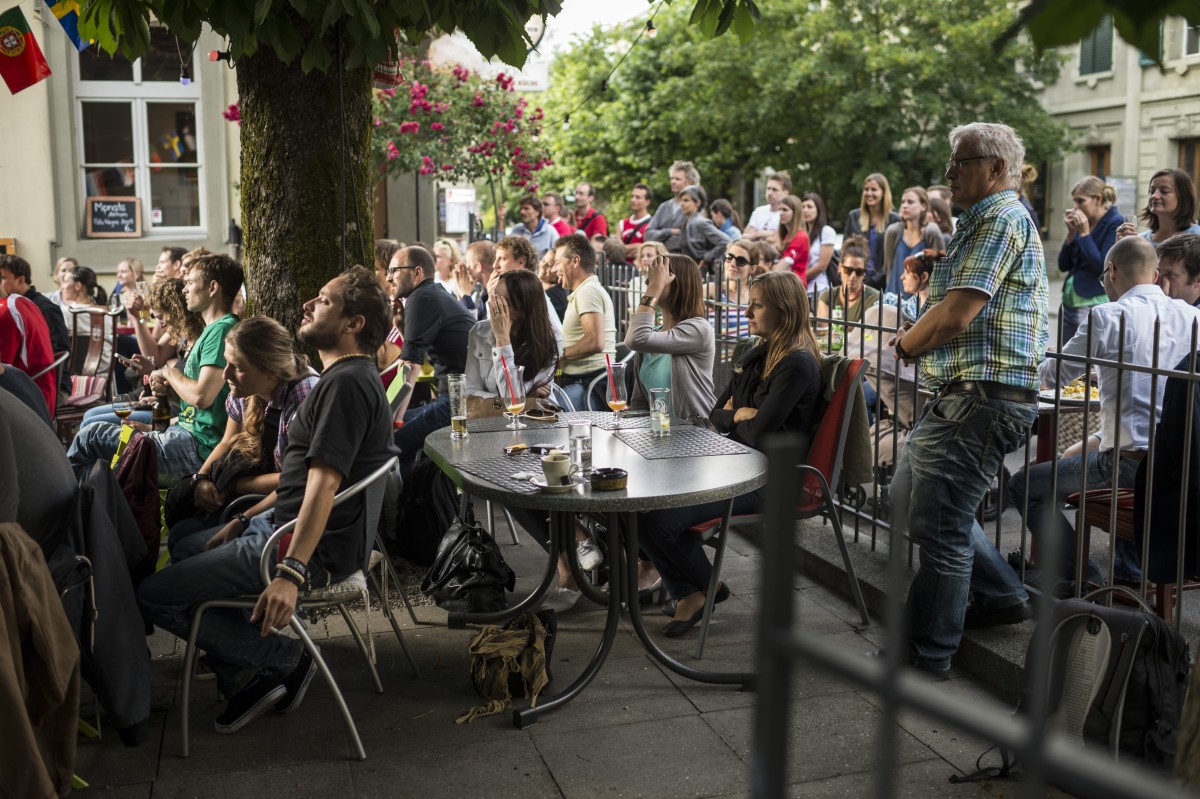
(318, 338)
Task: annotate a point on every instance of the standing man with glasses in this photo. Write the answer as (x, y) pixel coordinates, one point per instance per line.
(977, 345)
(435, 329)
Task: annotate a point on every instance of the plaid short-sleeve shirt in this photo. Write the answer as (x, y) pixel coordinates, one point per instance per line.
(996, 249)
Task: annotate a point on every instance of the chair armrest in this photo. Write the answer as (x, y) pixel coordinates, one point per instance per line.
(239, 505)
(1124, 497)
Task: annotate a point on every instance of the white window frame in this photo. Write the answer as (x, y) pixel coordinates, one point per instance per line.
(1183, 45)
(138, 94)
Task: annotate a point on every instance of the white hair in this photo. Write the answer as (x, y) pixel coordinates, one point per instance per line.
(994, 139)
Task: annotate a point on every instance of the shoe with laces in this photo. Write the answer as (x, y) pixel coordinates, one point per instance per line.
(589, 555)
(250, 703)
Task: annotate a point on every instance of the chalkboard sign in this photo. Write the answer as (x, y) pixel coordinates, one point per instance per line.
(113, 217)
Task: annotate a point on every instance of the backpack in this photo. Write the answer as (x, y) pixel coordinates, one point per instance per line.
(1117, 680)
(428, 506)
(1118, 677)
(513, 660)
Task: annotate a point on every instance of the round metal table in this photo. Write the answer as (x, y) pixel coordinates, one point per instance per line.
(653, 485)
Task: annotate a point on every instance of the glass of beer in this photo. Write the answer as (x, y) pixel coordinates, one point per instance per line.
(122, 410)
(458, 406)
(512, 394)
(616, 396)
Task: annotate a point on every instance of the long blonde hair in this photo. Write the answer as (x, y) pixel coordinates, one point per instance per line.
(269, 347)
(885, 205)
(784, 292)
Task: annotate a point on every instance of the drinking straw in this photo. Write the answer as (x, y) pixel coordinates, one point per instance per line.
(511, 394)
(611, 384)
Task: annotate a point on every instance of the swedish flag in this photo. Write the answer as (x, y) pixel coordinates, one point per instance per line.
(67, 12)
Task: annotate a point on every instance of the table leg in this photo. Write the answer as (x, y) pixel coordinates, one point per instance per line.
(747, 680)
(523, 719)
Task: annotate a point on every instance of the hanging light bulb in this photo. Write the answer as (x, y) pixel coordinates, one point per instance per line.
(651, 31)
(604, 85)
(566, 122)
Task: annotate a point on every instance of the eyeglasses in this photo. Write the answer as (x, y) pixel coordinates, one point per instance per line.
(740, 260)
(853, 272)
(393, 270)
(956, 163)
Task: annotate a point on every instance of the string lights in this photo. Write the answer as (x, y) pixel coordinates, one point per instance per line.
(649, 31)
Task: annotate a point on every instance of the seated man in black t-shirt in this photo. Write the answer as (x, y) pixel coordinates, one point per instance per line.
(341, 433)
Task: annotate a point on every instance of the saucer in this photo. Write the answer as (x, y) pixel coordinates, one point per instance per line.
(555, 489)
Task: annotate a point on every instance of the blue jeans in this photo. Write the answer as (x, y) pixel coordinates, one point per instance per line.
(576, 386)
(178, 456)
(678, 554)
(947, 466)
(104, 413)
(235, 648)
(176, 448)
(419, 423)
(1045, 509)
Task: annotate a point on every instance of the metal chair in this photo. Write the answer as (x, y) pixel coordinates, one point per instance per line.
(335, 595)
(624, 355)
(59, 359)
(819, 473)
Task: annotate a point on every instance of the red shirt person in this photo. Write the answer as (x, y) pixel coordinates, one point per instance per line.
(588, 220)
(25, 343)
(633, 229)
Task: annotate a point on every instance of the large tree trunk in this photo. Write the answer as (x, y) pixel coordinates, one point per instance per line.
(291, 173)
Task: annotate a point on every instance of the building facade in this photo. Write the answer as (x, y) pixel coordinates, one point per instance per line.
(103, 141)
(1129, 117)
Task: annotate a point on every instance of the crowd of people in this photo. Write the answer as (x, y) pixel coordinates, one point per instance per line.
(250, 416)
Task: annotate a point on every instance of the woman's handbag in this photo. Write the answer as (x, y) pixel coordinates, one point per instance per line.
(469, 573)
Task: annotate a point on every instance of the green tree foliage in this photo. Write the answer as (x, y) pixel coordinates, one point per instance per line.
(829, 92)
(1053, 23)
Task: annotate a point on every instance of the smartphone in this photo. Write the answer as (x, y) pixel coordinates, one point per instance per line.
(125, 360)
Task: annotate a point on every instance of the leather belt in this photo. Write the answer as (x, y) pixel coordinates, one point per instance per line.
(1133, 454)
(987, 389)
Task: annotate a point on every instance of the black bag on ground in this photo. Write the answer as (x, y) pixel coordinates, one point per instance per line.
(1118, 678)
(428, 506)
(469, 573)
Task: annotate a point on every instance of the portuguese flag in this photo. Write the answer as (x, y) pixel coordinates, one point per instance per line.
(21, 61)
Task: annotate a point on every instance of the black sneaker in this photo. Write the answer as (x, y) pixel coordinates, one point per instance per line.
(250, 703)
(980, 618)
(296, 683)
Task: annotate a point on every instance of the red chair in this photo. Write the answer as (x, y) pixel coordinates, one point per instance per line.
(820, 476)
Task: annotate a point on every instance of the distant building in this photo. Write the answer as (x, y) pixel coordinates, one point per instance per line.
(1129, 118)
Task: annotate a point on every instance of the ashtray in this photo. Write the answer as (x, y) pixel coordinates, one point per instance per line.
(609, 479)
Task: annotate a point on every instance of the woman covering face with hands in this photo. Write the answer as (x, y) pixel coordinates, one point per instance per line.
(517, 332)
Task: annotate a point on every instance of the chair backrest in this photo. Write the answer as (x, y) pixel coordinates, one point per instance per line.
(375, 486)
(829, 441)
(560, 398)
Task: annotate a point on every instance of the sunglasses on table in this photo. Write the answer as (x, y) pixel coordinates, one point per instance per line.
(737, 259)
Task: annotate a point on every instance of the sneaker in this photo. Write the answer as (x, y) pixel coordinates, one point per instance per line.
(250, 703)
(920, 672)
(560, 599)
(589, 555)
(203, 670)
(296, 683)
(980, 618)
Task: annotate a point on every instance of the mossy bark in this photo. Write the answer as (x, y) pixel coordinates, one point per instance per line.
(291, 136)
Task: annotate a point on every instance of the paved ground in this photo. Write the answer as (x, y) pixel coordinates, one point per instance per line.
(637, 731)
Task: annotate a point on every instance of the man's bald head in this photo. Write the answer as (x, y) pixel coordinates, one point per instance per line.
(1131, 262)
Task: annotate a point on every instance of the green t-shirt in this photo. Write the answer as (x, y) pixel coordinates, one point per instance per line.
(207, 425)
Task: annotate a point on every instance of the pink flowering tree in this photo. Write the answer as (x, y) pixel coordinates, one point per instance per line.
(453, 124)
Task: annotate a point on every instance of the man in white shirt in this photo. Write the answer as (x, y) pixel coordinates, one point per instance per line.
(590, 325)
(1121, 443)
(764, 221)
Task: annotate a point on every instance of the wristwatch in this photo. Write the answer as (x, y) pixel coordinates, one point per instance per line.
(241, 517)
(648, 300)
(200, 477)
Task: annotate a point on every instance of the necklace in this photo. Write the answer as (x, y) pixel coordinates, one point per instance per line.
(341, 358)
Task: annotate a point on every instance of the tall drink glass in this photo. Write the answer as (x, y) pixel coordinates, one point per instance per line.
(458, 406)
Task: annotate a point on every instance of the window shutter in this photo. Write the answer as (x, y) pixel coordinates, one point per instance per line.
(1103, 57)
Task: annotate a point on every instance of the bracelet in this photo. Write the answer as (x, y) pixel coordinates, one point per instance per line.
(902, 353)
(296, 565)
(648, 300)
(289, 574)
(241, 517)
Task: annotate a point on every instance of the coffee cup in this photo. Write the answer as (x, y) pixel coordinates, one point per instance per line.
(558, 468)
